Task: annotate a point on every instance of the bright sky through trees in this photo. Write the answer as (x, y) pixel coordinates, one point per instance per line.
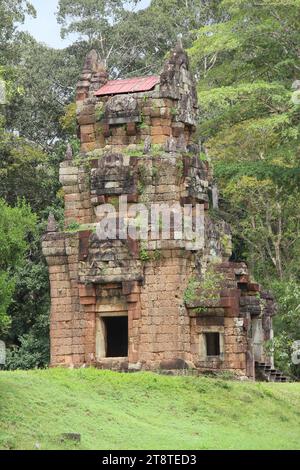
(45, 28)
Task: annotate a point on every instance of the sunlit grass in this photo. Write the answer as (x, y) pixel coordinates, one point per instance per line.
(145, 411)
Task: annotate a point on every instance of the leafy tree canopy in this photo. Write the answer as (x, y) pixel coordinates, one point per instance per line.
(132, 41)
(246, 64)
(16, 223)
(12, 13)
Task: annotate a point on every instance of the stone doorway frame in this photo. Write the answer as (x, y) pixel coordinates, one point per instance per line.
(101, 334)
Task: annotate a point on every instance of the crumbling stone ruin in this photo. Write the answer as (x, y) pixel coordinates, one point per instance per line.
(158, 303)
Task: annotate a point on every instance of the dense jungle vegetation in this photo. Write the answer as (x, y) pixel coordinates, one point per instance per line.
(246, 58)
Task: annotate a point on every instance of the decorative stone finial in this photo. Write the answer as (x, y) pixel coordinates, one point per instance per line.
(147, 144)
(172, 74)
(179, 45)
(91, 60)
(69, 153)
(171, 145)
(181, 143)
(52, 224)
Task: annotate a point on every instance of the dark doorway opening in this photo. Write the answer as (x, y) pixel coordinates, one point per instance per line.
(116, 336)
(212, 344)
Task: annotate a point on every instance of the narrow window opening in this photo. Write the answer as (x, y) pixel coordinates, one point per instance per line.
(116, 336)
(212, 344)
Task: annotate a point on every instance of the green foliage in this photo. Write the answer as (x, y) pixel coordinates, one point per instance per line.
(268, 223)
(203, 157)
(180, 166)
(12, 12)
(99, 111)
(96, 26)
(144, 255)
(129, 41)
(91, 19)
(34, 349)
(25, 171)
(135, 152)
(6, 292)
(16, 223)
(68, 120)
(73, 226)
(114, 201)
(46, 79)
(174, 112)
(155, 172)
(226, 244)
(205, 290)
(142, 125)
(190, 293)
(246, 64)
(286, 324)
(143, 177)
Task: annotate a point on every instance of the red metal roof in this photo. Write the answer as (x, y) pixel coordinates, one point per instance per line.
(128, 85)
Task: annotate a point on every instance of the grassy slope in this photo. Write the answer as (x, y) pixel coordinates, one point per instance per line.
(145, 411)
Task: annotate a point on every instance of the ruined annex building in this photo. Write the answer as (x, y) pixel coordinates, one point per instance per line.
(127, 304)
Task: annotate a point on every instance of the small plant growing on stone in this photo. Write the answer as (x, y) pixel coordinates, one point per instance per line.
(99, 111)
(73, 226)
(174, 112)
(226, 244)
(136, 152)
(179, 166)
(155, 172)
(190, 293)
(142, 124)
(140, 188)
(147, 255)
(156, 256)
(143, 175)
(156, 150)
(215, 214)
(144, 255)
(206, 290)
(203, 157)
(99, 131)
(156, 109)
(114, 201)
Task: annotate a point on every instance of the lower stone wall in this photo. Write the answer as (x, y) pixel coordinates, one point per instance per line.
(67, 320)
(163, 332)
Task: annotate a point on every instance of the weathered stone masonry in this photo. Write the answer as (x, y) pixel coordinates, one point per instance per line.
(123, 304)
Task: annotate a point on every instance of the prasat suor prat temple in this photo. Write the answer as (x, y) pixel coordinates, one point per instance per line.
(167, 303)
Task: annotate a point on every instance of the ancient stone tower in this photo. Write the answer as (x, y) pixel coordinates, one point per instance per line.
(161, 302)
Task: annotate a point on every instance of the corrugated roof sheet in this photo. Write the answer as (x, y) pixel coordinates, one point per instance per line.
(128, 85)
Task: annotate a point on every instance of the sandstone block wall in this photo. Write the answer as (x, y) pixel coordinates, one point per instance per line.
(141, 146)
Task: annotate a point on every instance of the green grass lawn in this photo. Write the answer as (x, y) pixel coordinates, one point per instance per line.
(145, 411)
